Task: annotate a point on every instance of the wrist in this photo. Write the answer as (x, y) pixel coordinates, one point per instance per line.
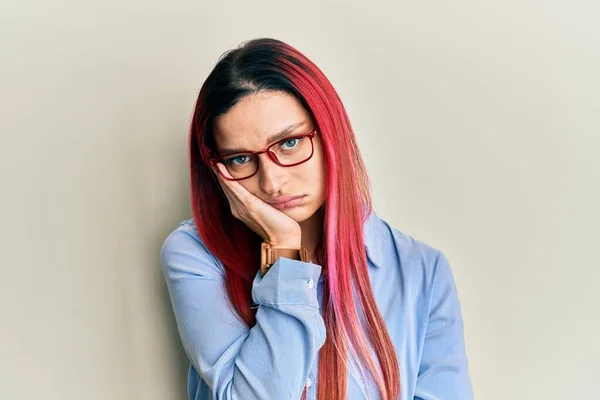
(287, 243)
(269, 255)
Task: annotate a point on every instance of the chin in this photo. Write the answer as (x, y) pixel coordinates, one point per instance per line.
(302, 213)
(298, 214)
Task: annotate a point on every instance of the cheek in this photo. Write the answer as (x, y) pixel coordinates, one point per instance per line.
(312, 174)
(251, 185)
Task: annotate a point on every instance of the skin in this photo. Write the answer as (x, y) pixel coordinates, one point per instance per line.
(249, 125)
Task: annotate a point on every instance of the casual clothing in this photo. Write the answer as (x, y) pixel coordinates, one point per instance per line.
(414, 289)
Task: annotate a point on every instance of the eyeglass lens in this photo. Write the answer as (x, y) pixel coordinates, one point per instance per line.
(287, 152)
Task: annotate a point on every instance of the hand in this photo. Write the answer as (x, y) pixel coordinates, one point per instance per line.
(271, 224)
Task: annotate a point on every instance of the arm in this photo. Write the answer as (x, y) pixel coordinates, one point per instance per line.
(443, 371)
(272, 360)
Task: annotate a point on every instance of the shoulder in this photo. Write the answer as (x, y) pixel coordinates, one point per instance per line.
(418, 261)
(183, 251)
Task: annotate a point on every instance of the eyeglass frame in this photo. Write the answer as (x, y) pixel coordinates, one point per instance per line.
(272, 156)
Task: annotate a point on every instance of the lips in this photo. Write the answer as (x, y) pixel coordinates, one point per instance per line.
(283, 199)
(284, 202)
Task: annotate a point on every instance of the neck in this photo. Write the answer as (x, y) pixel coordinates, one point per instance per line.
(312, 229)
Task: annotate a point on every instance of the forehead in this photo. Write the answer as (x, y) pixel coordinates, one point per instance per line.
(257, 117)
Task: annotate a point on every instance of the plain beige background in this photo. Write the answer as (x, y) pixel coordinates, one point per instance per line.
(478, 121)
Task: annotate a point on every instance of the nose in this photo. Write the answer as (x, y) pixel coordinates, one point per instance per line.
(270, 175)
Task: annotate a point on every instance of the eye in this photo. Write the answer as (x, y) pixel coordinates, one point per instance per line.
(290, 143)
(237, 160)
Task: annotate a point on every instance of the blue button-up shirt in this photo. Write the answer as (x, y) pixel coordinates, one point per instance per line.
(414, 289)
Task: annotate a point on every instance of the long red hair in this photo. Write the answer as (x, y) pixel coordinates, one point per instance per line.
(272, 65)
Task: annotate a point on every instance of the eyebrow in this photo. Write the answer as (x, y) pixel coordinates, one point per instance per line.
(278, 136)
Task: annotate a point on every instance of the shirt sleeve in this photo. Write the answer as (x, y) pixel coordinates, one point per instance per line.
(443, 371)
(271, 360)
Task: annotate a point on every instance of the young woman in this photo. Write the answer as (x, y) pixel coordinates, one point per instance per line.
(285, 284)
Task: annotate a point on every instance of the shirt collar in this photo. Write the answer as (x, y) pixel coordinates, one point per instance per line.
(374, 238)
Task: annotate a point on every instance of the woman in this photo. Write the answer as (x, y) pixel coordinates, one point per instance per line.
(285, 283)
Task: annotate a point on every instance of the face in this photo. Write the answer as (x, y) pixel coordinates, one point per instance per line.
(250, 125)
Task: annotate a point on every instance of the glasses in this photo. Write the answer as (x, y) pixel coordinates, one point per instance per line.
(286, 152)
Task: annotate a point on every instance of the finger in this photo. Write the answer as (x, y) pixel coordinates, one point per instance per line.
(235, 188)
(223, 184)
(239, 199)
(223, 170)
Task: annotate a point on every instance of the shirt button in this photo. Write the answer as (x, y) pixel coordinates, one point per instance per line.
(311, 283)
(308, 382)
